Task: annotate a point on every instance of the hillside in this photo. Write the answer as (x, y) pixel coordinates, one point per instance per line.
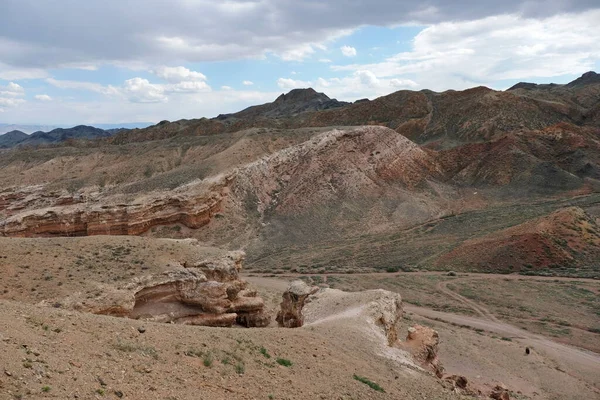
(54, 137)
(441, 120)
(449, 168)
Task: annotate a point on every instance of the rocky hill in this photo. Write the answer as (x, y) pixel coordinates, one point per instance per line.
(12, 138)
(441, 120)
(55, 136)
(444, 168)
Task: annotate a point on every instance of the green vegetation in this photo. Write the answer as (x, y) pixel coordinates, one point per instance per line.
(369, 383)
(239, 368)
(207, 360)
(46, 389)
(264, 352)
(284, 362)
(147, 351)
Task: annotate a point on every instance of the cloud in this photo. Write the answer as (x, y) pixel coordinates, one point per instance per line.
(324, 60)
(77, 85)
(288, 84)
(43, 97)
(455, 55)
(348, 51)
(226, 88)
(247, 83)
(360, 84)
(9, 95)
(12, 89)
(197, 31)
(178, 74)
(139, 90)
(8, 102)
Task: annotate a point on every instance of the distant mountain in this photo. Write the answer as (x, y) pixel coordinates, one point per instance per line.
(26, 128)
(440, 120)
(126, 125)
(287, 105)
(58, 135)
(12, 138)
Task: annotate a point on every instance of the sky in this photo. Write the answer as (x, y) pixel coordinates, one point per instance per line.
(68, 62)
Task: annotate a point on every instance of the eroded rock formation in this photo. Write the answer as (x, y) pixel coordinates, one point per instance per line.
(208, 293)
(290, 315)
(423, 343)
(106, 217)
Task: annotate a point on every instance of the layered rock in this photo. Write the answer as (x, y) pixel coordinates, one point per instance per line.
(377, 311)
(294, 298)
(423, 343)
(72, 218)
(208, 293)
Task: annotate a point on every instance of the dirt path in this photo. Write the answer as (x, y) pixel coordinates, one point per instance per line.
(479, 309)
(581, 364)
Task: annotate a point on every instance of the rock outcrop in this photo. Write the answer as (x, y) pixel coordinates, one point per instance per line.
(423, 343)
(500, 393)
(294, 298)
(208, 293)
(377, 311)
(69, 217)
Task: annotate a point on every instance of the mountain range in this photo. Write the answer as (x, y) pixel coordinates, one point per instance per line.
(473, 180)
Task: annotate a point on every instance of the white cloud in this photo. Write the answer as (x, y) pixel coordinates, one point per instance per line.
(367, 78)
(458, 55)
(403, 83)
(226, 88)
(186, 86)
(139, 90)
(247, 83)
(324, 60)
(178, 74)
(288, 84)
(8, 102)
(78, 85)
(43, 97)
(12, 89)
(348, 51)
(9, 95)
(298, 53)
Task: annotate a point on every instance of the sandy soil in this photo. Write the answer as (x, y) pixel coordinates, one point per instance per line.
(488, 352)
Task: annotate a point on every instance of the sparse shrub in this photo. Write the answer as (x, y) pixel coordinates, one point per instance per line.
(451, 273)
(507, 339)
(264, 352)
(284, 362)
(239, 368)
(369, 383)
(46, 389)
(207, 360)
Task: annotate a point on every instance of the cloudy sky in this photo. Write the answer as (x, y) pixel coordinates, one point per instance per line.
(95, 61)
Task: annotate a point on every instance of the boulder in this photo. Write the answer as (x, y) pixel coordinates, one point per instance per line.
(294, 298)
(500, 393)
(423, 343)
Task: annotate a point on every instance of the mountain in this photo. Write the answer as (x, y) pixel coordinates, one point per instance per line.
(55, 136)
(12, 138)
(295, 102)
(419, 180)
(25, 128)
(438, 120)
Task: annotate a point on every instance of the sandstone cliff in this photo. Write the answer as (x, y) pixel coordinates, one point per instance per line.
(208, 292)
